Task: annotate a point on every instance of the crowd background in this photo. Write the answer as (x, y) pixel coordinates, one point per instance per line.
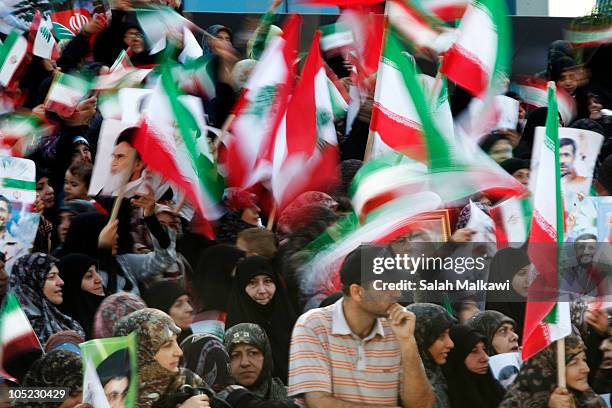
(216, 319)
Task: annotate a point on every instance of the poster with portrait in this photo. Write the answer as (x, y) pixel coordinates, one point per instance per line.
(604, 219)
(18, 221)
(110, 372)
(578, 151)
(505, 367)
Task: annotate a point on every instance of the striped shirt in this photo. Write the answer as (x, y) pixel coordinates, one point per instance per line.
(327, 357)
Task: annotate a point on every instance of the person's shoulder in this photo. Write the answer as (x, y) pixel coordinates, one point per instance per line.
(321, 316)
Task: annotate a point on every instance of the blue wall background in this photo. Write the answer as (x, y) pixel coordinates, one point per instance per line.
(260, 6)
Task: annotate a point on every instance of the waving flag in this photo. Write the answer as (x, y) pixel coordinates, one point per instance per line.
(534, 93)
(479, 58)
(19, 131)
(12, 55)
(16, 334)
(446, 10)
(66, 92)
(306, 147)
(261, 108)
(41, 38)
(546, 319)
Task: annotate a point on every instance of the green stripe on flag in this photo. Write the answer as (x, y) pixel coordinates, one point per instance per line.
(17, 184)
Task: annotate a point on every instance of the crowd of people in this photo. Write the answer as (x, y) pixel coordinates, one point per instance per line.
(227, 322)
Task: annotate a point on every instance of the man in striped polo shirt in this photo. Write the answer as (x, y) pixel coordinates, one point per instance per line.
(359, 352)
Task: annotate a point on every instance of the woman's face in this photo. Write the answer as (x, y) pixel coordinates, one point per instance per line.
(261, 289)
(45, 191)
(577, 373)
(501, 150)
(505, 339)
(134, 39)
(53, 286)
(169, 355)
(441, 347)
(478, 360)
(246, 362)
(92, 282)
(522, 176)
(520, 281)
(181, 312)
(251, 215)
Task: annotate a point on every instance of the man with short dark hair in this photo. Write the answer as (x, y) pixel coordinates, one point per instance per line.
(361, 351)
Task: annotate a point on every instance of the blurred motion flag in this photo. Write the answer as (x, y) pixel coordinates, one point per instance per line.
(546, 318)
(12, 55)
(70, 16)
(306, 146)
(446, 10)
(478, 60)
(342, 3)
(184, 158)
(18, 131)
(41, 39)
(533, 91)
(111, 359)
(260, 109)
(335, 37)
(65, 93)
(16, 334)
(512, 220)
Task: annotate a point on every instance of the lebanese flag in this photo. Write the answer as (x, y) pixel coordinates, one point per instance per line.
(534, 93)
(41, 39)
(16, 334)
(446, 10)
(306, 146)
(512, 219)
(65, 93)
(12, 54)
(482, 48)
(546, 318)
(261, 108)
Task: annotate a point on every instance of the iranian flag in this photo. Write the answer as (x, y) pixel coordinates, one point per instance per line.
(534, 93)
(12, 54)
(16, 334)
(186, 160)
(589, 36)
(481, 53)
(512, 219)
(306, 147)
(68, 23)
(41, 39)
(335, 37)
(446, 10)
(546, 318)
(260, 109)
(65, 93)
(342, 3)
(18, 132)
(122, 74)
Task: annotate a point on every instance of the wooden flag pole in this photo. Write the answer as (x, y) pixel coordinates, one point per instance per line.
(271, 218)
(561, 363)
(370, 143)
(224, 129)
(125, 178)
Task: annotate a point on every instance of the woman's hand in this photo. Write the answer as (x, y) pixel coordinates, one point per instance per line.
(560, 398)
(197, 401)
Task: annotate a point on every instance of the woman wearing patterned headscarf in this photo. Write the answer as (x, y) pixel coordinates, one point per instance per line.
(252, 364)
(431, 333)
(205, 355)
(536, 384)
(112, 309)
(36, 283)
(499, 330)
(56, 369)
(468, 376)
(159, 374)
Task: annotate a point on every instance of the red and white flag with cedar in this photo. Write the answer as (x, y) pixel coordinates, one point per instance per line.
(16, 334)
(261, 108)
(41, 38)
(478, 57)
(546, 318)
(306, 147)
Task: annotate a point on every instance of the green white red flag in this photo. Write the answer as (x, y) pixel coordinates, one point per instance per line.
(41, 38)
(534, 92)
(478, 60)
(260, 110)
(546, 318)
(446, 10)
(16, 334)
(65, 93)
(306, 147)
(19, 131)
(12, 56)
(589, 36)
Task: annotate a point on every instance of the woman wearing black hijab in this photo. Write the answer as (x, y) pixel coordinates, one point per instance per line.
(510, 264)
(468, 376)
(259, 297)
(83, 290)
(173, 299)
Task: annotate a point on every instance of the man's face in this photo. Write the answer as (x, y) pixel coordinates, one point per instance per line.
(585, 250)
(5, 215)
(377, 302)
(115, 391)
(120, 157)
(566, 157)
(134, 39)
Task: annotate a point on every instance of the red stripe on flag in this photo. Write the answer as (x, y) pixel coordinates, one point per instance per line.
(342, 3)
(451, 12)
(20, 345)
(462, 68)
(398, 134)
